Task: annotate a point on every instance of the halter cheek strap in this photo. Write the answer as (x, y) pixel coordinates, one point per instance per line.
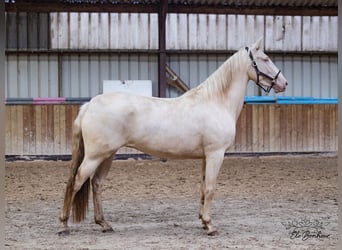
(260, 73)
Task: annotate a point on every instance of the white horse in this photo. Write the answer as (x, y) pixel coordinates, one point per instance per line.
(199, 124)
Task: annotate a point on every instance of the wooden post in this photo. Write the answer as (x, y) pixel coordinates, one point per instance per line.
(162, 48)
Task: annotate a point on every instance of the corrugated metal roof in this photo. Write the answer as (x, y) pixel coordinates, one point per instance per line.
(302, 3)
(268, 3)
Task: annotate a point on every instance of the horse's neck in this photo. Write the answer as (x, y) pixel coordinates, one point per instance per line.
(233, 74)
(235, 97)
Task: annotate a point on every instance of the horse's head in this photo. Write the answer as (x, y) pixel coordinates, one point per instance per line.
(263, 71)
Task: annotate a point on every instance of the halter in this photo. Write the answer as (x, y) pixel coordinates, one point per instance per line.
(258, 72)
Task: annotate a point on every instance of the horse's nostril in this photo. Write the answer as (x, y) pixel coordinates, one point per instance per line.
(285, 83)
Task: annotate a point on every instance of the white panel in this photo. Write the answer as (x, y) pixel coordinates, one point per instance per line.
(221, 29)
(93, 30)
(311, 33)
(142, 34)
(63, 30)
(54, 28)
(33, 76)
(211, 32)
(124, 41)
(12, 76)
(74, 30)
(103, 31)
(172, 28)
(114, 30)
(244, 30)
(153, 32)
(333, 77)
(333, 33)
(23, 76)
(84, 30)
(192, 31)
(44, 77)
(53, 76)
(83, 76)
(202, 35)
(193, 23)
(142, 87)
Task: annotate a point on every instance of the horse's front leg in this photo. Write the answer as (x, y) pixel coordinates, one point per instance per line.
(97, 184)
(213, 164)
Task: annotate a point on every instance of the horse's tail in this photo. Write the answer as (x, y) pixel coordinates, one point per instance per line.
(80, 203)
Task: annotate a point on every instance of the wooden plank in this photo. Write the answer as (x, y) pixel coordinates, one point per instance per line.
(50, 130)
(26, 130)
(255, 128)
(283, 129)
(294, 129)
(249, 128)
(47, 129)
(300, 118)
(277, 128)
(56, 131)
(62, 128)
(19, 129)
(266, 127)
(69, 118)
(8, 132)
(310, 130)
(242, 128)
(38, 125)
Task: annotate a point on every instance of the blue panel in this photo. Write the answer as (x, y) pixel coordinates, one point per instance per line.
(288, 100)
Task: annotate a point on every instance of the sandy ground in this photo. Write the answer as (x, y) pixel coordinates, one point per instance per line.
(274, 202)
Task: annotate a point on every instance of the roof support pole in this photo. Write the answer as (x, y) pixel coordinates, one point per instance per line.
(162, 48)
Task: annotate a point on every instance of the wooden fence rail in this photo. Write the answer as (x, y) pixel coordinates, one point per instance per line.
(47, 129)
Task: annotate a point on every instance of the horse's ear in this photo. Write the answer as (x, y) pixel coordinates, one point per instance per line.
(258, 44)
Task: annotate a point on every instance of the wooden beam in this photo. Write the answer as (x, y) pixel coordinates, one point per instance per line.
(76, 7)
(254, 10)
(175, 80)
(42, 6)
(162, 48)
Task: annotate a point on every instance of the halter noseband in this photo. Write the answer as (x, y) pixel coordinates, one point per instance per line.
(258, 72)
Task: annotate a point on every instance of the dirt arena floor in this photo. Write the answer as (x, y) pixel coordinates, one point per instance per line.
(269, 202)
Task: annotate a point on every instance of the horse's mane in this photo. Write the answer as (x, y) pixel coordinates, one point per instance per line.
(218, 83)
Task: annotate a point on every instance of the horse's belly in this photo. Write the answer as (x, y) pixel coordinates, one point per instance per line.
(169, 147)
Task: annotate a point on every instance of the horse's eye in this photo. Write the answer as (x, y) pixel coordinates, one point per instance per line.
(266, 59)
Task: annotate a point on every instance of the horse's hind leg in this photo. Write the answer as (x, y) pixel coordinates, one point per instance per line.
(202, 190)
(75, 183)
(97, 184)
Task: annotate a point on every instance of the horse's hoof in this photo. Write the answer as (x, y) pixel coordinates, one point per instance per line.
(213, 233)
(107, 230)
(63, 232)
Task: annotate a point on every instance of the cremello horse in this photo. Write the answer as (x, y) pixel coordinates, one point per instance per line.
(199, 124)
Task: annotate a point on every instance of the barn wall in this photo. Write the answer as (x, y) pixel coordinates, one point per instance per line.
(83, 75)
(46, 129)
(192, 31)
(104, 31)
(31, 75)
(314, 75)
(231, 32)
(27, 30)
